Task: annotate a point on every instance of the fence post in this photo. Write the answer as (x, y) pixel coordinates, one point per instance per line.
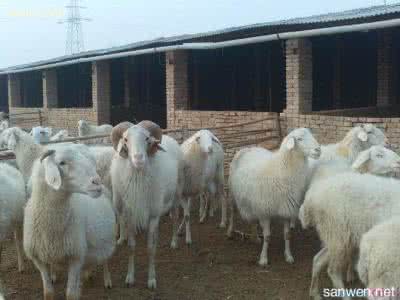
(40, 117)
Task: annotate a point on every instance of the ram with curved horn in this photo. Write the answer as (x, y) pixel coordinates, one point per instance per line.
(147, 176)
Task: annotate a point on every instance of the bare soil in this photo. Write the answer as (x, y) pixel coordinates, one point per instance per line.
(214, 267)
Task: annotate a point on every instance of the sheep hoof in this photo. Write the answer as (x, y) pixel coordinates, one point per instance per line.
(21, 269)
(263, 262)
(174, 245)
(222, 225)
(152, 284)
(189, 243)
(130, 280)
(289, 258)
(121, 241)
(108, 283)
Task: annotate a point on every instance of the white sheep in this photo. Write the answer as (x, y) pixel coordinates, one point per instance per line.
(266, 185)
(12, 202)
(357, 139)
(64, 225)
(344, 206)
(147, 182)
(378, 264)
(59, 136)
(204, 173)
(41, 134)
(84, 129)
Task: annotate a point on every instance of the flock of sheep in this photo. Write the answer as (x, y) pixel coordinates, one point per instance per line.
(69, 205)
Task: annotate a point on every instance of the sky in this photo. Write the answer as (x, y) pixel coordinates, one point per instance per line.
(29, 29)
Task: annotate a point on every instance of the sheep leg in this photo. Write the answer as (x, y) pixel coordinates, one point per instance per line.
(266, 227)
(286, 234)
(175, 219)
(320, 261)
(335, 272)
(256, 237)
(130, 276)
(152, 241)
(204, 203)
(107, 276)
(122, 231)
(231, 213)
(48, 290)
(293, 223)
(74, 280)
(186, 220)
(20, 249)
(53, 274)
(224, 208)
(201, 208)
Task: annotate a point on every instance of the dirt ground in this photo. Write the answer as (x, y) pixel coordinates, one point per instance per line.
(213, 268)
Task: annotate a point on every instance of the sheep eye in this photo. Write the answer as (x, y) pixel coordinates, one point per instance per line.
(299, 139)
(379, 155)
(125, 139)
(62, 163)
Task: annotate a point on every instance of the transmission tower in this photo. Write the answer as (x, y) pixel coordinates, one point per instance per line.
(74, 42)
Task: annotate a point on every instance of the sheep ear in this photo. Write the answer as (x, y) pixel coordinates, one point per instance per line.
(215, 139)
(52, 173)
(290, 143)
(362, 136)
(12, 141)
(360, 162)
(122, 149)
(159, 147)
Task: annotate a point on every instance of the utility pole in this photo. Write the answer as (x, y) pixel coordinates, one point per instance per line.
(74, 41)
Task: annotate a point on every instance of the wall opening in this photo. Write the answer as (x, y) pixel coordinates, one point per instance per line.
(344, 71)
(117, 78)
(31, 89)
(3, 94)
(74, 86)
(147, 88)
(395, 91)
(245, 78)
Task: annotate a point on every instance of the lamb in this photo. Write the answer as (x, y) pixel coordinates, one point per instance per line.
(12, 202)
(59, 136)
(378, 265)
(68, 222)
(351, 203)
(204, 172)
(84, 129)
(265, 185)
(147, 181)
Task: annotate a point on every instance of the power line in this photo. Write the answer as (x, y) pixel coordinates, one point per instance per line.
(74, 42)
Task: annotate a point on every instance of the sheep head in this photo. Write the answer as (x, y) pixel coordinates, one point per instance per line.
(377, 160)
(302, 140)
(116, 138)
(205, 139)
(137, 141)
(69, 170)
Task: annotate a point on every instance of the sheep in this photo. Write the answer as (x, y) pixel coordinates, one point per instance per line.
(41, 134)
(344, 206)
(4, 125)
(84, 129)
(378, 264)
(265, 185)
(359, 138)
(147, 181)
(59, 136)
(12, 202)
(204, 172)
(68, 222)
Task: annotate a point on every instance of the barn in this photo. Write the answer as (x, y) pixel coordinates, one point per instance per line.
(326, 72)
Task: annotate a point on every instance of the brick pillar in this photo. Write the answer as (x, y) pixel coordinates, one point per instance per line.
(385, 68)
(101, 91)
(14, 91)
(50, 92)
(298, 79)
(176, 84)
